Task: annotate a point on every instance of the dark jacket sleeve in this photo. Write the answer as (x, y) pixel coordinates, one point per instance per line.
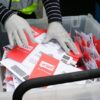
(4, 13)
(53, 12)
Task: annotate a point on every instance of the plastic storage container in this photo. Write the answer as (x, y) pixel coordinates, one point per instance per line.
(72, 91)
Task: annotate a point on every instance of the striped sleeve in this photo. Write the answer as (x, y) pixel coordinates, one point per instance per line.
(4, 13)
(52, 8)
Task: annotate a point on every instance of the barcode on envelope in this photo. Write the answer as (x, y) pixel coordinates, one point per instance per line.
(66, 57)
(19, 71)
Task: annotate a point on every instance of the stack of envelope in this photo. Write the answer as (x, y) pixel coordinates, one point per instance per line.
(37, 60)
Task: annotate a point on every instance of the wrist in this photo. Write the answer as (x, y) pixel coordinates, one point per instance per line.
(55, 24)
(9, 17)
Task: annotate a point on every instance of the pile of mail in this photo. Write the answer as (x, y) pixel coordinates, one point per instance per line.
(90, 47)
(37, 60)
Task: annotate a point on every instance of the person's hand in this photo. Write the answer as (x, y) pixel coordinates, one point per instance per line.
(57, 31)
(16, 28)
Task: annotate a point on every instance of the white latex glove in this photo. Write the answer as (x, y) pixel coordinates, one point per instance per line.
(15, 27)
(57, 31)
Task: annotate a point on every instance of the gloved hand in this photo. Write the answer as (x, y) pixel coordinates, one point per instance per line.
(57, 31)
(15, 27)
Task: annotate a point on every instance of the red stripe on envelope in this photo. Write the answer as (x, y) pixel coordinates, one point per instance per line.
(46, 66)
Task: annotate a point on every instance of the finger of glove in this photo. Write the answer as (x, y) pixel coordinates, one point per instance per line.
(63, 45)
(11, 39)
(47, 38)
(72, 46)
(30, 33)
(22, 37)
(18, 40)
